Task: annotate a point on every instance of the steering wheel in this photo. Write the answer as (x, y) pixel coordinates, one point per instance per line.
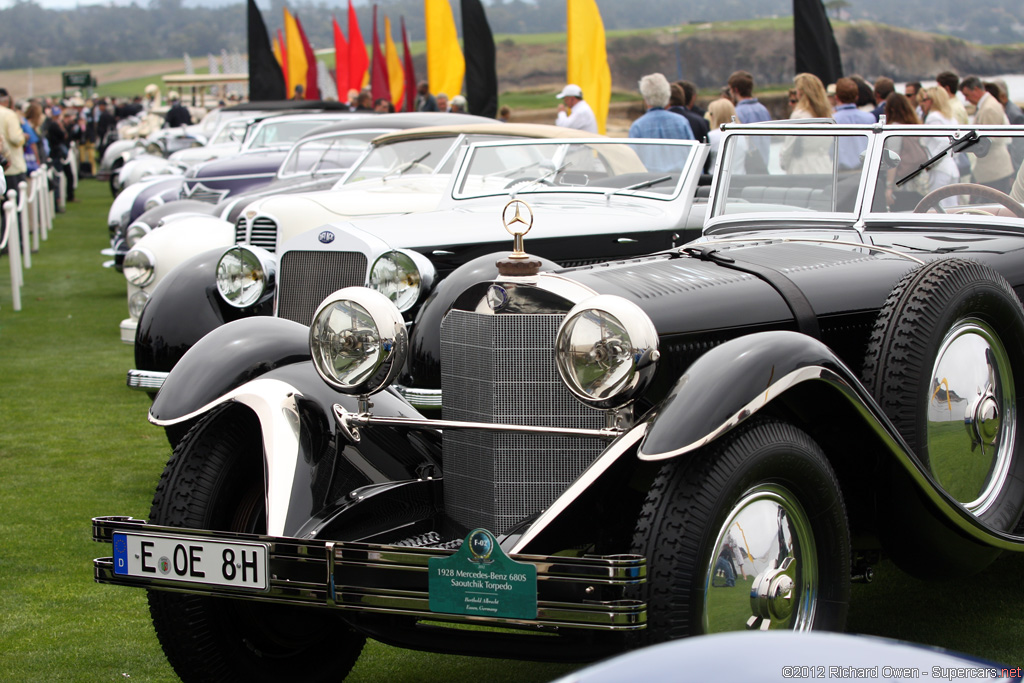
(527, 179)
(932, 199)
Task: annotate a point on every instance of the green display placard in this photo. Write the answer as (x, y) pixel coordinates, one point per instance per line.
(481, 580)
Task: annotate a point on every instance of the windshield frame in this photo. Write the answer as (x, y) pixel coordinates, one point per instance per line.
(688, 174)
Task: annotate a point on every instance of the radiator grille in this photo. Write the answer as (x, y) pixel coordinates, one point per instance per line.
(305, 278)
(262, 233)
(501, 369)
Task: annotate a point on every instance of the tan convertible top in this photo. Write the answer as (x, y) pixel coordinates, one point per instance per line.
(524, 130)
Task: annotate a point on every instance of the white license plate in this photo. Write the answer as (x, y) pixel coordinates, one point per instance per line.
(192, 560)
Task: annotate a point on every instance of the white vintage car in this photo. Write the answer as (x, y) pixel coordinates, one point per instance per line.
(367, 189)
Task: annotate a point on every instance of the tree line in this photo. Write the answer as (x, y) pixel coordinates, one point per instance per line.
(37, 37)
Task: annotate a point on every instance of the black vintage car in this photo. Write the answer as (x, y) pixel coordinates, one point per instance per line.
(720, 436)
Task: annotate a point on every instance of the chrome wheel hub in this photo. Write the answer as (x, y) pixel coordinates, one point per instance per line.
(971, 415)
(763, 570)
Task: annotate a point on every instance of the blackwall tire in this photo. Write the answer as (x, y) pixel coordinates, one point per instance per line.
(765, 471)
(214, 480)
(946, 363)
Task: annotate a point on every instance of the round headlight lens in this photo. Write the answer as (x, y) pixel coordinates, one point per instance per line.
(136, 231)
(606, 350)
(136, 302)
(139, 266)
(396, 276)
(358, 340)
(242, 276)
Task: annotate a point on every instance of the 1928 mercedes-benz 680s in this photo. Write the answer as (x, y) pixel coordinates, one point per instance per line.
(719, 436)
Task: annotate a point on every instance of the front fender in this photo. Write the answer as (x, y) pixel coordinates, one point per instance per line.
(184, 307)
(225, 359)
(741, 377)
(266, 368)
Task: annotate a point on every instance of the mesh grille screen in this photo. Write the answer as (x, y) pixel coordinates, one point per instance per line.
(305, 278)
(501, 369)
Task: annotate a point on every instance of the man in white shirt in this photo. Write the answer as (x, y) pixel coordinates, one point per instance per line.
(573, 112)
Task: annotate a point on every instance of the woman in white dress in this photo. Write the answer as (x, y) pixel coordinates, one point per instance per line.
(805, 154)
(935, 105)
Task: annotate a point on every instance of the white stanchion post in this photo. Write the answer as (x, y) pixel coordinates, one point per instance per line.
(73, 160)
(22, 209)
(32, 202)
(62, 191)
(12, 239)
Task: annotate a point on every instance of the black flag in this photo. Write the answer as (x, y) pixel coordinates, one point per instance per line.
(816, 48)
(266, 80)
(481, 72)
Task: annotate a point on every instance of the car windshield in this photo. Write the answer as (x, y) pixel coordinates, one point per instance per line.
(414, 156)
(920, 164)
(231, 131)
(654, 169)
(325, 155)
(282, 132)
(805, 173)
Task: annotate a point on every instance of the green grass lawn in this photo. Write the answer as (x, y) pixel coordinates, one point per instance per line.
(75, 443)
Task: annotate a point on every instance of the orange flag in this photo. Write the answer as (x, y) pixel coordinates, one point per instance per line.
(358, 60)
(297, 64)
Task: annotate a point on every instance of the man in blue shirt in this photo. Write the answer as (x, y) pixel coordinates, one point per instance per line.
(658, 122)
(850, 148)
(749, 110)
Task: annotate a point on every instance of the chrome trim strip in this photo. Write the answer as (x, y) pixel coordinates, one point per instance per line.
(352, 422)
(611, 454)
(146, 380)
(873, 416)
(393, 570)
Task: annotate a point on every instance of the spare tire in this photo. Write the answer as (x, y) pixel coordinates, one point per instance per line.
(946, 364)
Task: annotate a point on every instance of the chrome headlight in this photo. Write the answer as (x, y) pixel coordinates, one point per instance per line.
(136, 231)
(139, 267)
(244, 273)
(606, 351)
(396, 276)
(136, 302)
(358, 341)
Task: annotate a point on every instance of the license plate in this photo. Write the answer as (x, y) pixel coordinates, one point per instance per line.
(191, 560)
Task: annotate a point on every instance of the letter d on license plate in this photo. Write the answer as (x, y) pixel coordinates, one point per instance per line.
(191, 560)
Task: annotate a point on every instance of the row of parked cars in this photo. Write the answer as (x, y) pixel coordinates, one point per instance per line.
(567, 387)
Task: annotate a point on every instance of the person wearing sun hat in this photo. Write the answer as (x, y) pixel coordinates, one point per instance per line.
(573, 112)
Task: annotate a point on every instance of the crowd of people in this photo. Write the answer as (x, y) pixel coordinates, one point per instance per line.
(850, 100)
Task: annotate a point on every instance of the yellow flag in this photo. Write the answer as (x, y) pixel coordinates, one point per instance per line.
(587, 59)
(445, 63)
(296, 52)
(396, 75)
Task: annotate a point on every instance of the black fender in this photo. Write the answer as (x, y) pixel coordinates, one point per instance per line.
(764, 371)
(311, 467)
(423, 369)
(184, 307)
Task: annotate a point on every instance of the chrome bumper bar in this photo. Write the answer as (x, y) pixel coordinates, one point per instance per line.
(146, 380)
(382, 579)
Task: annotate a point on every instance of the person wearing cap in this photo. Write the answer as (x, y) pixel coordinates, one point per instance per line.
(573, 111)
(177, 115)
(458, 105)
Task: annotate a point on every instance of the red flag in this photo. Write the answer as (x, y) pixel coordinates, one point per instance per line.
(357, 58)
(378, 69)
(410, 74)
(340, 61)
(312, 88)
(284, 61)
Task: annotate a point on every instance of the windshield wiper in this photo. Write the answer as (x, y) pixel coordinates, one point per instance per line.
(636, 186)
(968, 140)
(405, 167)
(512, 171)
